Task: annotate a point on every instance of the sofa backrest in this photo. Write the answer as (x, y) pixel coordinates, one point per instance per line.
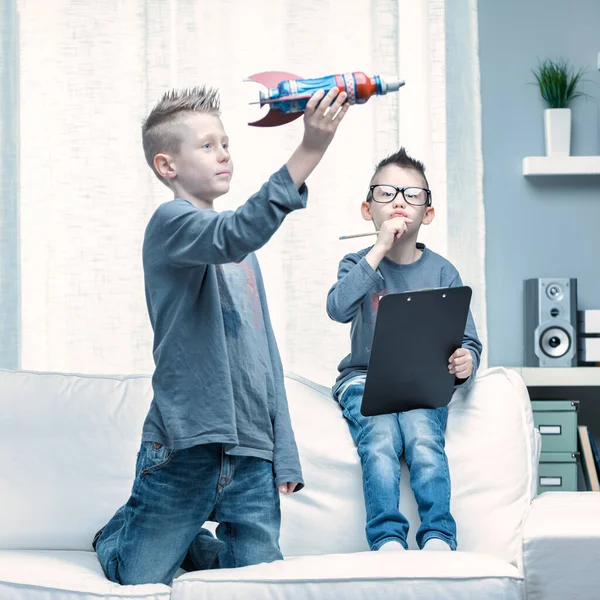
(70, 444)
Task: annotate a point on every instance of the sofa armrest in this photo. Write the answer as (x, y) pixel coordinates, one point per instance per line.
(561, 545)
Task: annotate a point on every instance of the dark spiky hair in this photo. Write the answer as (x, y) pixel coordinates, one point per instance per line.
(403, 160)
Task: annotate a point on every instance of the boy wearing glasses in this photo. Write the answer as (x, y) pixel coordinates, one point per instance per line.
(398, 203)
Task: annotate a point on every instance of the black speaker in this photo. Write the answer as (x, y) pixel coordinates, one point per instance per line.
(550, 322)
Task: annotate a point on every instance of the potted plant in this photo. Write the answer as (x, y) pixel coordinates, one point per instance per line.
(559, 84)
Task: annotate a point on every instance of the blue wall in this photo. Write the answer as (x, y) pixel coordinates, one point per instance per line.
(535, 227)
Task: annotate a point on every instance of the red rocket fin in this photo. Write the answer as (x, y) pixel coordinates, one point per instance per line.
(274, 118)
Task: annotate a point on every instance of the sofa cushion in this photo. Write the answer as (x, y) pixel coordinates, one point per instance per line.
(491, 450)
(493, 454)
(71, 443)
(361, 576)
(64, 575)
(561, 546)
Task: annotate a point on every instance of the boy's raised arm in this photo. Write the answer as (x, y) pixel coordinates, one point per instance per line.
(322, 117)
(193, 237)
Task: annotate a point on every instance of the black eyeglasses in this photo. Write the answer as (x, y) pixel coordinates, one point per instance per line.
(415, 196)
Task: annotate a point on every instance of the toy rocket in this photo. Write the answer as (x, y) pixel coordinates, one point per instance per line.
(288, 94)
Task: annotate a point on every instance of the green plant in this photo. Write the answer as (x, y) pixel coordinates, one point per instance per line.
(558, 82)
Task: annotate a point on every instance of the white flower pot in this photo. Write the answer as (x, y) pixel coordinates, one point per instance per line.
(557, 127)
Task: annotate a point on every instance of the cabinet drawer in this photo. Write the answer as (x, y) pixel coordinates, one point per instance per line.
(557, 472)
(556, 421)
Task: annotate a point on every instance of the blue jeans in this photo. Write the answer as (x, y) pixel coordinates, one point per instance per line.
(174, 493)
(380, 441)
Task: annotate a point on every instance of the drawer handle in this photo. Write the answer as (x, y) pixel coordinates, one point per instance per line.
(550, 429)
(551, 481)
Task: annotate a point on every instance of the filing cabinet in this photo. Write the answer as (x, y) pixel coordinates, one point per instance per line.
(556, 421)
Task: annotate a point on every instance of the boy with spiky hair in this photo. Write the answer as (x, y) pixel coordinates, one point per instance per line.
(398, 202)
(217, 442)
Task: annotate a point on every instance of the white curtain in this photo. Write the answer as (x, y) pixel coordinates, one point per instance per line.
(89, 72)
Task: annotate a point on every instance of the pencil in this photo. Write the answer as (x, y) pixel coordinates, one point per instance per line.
(355, 235)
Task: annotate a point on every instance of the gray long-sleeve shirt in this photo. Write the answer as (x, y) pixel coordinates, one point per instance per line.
(355, 298)
(218, 375)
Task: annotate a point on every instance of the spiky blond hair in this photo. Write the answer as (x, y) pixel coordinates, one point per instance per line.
(158, 133)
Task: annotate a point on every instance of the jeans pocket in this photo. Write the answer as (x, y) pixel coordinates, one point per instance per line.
(442, 415)
(157, 456)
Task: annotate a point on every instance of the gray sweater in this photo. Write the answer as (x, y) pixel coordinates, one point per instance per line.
(355, 298)
(218, 376)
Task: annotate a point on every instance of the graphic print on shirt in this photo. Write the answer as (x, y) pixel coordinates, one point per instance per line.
(247, 347)
(375, 300)
(239, 297)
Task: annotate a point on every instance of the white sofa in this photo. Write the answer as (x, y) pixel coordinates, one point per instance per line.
(68, 445)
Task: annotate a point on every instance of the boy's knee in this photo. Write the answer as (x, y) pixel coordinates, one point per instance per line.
(426, 452)
(382, 438)
(141, 576)
(382, 429)
(140, 572)
(421, 423)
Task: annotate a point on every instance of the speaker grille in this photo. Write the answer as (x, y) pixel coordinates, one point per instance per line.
(555, 342)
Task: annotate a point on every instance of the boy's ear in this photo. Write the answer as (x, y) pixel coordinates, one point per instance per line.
(165, 166)
(365, 211)
(428, 215)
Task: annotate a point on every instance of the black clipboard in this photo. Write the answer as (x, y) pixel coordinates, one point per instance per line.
(415, 335)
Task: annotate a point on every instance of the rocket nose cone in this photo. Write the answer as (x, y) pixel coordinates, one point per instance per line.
(390, 84)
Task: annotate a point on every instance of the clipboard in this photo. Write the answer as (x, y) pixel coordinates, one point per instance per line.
(415, 335)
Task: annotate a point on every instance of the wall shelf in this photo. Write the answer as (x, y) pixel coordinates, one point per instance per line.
(559, 376)
(561, 165)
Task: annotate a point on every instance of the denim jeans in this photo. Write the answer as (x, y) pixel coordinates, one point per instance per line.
(380, 441)
(160, 528)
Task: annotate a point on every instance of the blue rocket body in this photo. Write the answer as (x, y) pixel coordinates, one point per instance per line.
(304, 88)
(287, 95)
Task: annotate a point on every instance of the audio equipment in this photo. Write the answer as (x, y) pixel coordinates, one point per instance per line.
(550, 322)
